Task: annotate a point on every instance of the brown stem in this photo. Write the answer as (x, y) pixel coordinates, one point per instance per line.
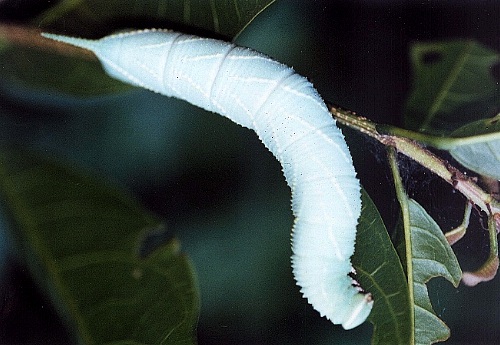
(30, 37)
(424, 157)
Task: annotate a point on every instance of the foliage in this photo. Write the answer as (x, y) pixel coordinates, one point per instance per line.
(75, 232)
(453, 85)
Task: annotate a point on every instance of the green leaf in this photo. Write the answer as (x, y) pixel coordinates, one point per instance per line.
(84, 243)
(425, 253)
(479, 150)
(432, 257)
(93, 17)
(44, 71)
(380, 272)
(453, 85)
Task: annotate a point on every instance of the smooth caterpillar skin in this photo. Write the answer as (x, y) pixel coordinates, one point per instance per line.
(293, 122)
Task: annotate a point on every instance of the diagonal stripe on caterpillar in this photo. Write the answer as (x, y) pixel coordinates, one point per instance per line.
(292, 121)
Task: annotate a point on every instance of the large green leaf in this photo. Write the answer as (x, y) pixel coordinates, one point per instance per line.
(45, 71)
(85, 245)
(425, 254)
(94, 17)
(479, 150)
(453, 85)
(380, 272)
(432, 257)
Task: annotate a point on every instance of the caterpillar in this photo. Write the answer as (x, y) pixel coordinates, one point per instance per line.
(292, 121)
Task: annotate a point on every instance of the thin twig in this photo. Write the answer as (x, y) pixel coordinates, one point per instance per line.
(30, 37)
(424, 157)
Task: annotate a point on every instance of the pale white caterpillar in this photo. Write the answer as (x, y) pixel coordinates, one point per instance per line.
(293, 122)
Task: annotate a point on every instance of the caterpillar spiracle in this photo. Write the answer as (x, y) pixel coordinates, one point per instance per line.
(292, 121)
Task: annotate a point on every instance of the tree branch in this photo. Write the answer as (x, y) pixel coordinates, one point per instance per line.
(424, 157)
(26, 36)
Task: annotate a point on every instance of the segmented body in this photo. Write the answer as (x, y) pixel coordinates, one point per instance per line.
(292, 121)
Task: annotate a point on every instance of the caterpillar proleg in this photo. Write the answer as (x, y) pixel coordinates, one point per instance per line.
(292, 121)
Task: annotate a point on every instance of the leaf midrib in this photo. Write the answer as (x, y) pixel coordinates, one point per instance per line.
(448, 84)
